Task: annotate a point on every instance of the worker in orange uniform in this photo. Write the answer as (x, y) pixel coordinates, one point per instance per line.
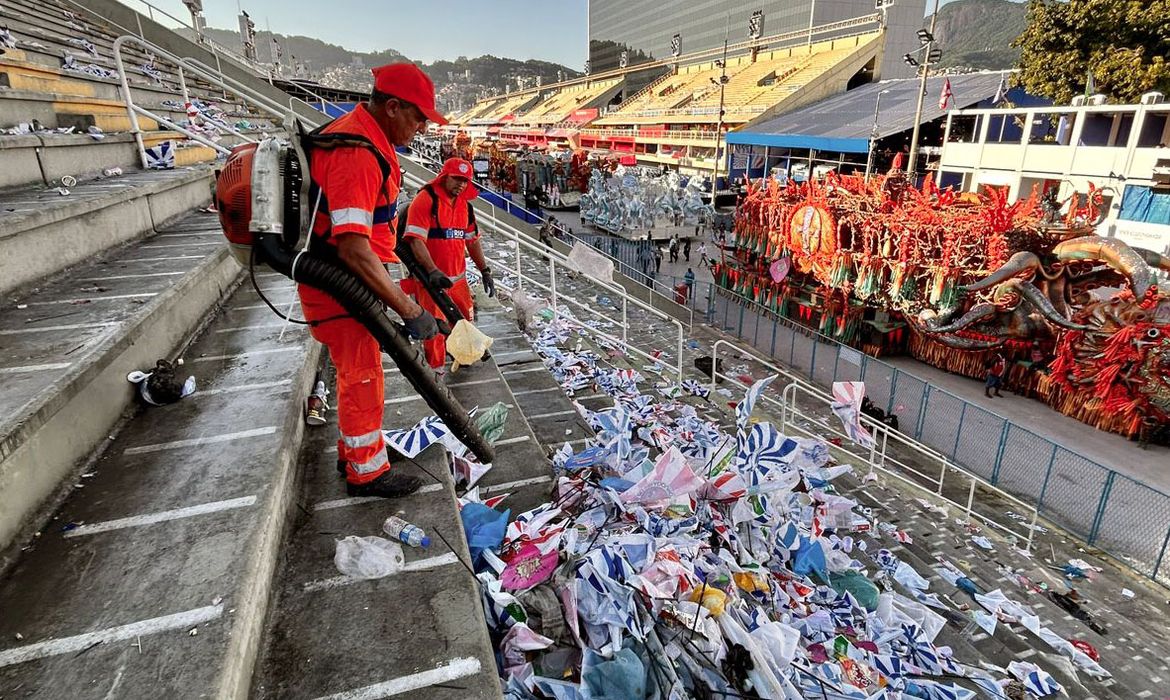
(440, 225)
(356, 179)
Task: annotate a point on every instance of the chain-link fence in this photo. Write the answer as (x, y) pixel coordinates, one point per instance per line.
(1127, 519)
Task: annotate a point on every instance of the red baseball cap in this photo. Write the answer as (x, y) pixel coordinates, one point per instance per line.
(457, 167)
(408, 82)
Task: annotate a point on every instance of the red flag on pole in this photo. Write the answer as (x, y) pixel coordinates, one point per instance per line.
(946, 97)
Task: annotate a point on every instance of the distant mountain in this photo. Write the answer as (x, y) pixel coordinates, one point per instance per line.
(458, 83)
(978, 33)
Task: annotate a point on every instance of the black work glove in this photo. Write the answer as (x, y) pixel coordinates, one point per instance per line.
(438, 280)
(422, 327)
(489, 285)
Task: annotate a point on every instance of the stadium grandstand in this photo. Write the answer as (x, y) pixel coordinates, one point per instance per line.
(675, 119)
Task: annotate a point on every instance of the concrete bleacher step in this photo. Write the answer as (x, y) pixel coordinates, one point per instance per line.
(419, 633)
(68, 345)
(43, 232)
(152, 579)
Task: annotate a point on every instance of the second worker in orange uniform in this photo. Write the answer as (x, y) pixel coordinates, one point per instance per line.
(440, 225)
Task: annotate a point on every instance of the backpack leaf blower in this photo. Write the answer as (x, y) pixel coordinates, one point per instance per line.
(259, 195)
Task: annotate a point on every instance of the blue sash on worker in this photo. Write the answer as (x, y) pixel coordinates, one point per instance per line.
(451, 234)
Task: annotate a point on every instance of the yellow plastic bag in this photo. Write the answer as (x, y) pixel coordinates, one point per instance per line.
(467, 344)
(712, 598)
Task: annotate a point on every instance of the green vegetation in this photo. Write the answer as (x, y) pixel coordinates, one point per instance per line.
(1125, 43)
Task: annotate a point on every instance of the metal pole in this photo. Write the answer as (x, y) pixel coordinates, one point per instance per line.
(970, 499)
(925, 70)
(719, 123)
(812, 12)
(873, 134)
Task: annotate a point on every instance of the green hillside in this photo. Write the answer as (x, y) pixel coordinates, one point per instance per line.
(979, 33)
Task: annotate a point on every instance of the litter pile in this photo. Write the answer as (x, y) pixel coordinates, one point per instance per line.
(679, 561)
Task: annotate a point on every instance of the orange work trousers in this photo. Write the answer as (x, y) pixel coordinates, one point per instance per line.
(460, 293)
(360, 385)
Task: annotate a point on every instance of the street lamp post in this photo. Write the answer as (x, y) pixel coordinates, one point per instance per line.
(873, 133)
(911, 167)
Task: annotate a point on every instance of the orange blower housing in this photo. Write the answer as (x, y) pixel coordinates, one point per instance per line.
(233, 199)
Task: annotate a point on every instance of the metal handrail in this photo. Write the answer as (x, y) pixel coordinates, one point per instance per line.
(133, 110)
(261, 100)
(206, 72)
(878, 458)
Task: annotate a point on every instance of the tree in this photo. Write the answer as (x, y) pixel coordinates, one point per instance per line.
(1125, 43)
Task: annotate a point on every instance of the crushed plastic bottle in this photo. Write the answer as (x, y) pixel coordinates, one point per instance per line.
(406, 533)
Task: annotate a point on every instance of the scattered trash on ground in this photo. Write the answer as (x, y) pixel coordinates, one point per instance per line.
(368, 557)
(161, 386)
(677, 560)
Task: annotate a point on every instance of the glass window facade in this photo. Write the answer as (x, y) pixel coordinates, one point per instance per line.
(643, 28)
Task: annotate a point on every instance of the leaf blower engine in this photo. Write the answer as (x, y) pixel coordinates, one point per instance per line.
(260, 195)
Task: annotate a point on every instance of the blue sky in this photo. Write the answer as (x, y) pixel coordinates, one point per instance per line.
(426, 30)
(550, 30)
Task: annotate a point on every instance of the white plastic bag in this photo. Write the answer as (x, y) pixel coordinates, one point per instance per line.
(590, 263)
(368, 557)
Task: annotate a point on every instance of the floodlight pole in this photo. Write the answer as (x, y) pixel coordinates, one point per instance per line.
(719, 123)
(911, 167)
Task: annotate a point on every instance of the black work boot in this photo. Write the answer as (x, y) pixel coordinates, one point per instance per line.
(394, 455)
(392, 484)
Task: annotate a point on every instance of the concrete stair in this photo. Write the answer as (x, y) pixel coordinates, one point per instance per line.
(68, 343)
(152, 579)
(43, 232)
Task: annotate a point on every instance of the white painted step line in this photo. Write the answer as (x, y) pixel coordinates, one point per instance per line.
(535, 391)
(95, 298)
(510, 441)
(554, 414)
(403, 399)
(166, 258)
(519, 483)
(454, 669)
(508, 373)
(34, 368)
(245, 355)
(358, 500)
(161, 516)
(241, 388)
(69, 327)
(129, 277)
(417, 565)
(81, 642)
(518, 353)
(474, 382)
(278, 303)
(263, 326)
(200, 441)
(184, 245)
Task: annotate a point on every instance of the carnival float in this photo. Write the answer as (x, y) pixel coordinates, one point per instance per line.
(952, 278)
(632, 199)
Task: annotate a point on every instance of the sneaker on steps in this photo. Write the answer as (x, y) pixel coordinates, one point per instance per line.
(394, 455)
(315, 410)
(389, 485)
